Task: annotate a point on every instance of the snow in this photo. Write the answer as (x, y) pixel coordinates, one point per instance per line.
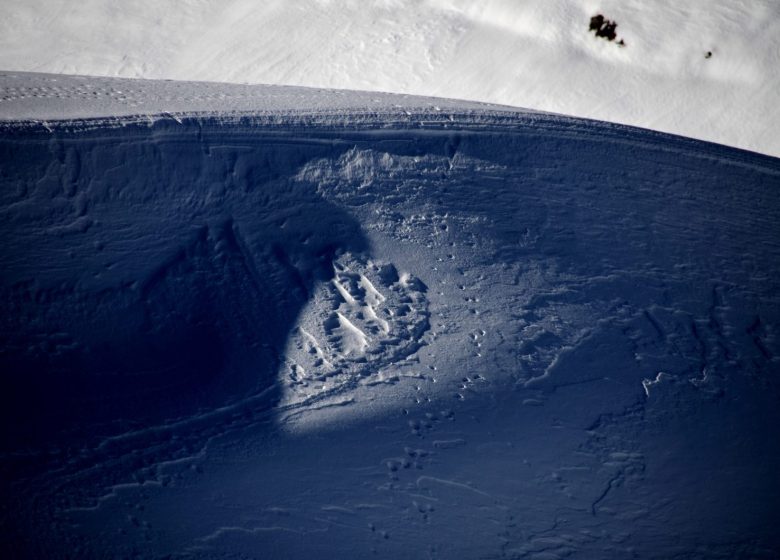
(264, 321)
(55, 97)
(537, 54)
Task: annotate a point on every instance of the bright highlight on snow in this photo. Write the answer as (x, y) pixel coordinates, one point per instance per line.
(705, 70)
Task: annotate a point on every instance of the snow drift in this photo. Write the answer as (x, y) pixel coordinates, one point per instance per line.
(417, 327)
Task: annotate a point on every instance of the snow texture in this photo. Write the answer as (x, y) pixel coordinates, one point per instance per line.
(700, 69)
(328, 324)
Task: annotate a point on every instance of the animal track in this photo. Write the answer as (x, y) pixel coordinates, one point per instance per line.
(366, 318)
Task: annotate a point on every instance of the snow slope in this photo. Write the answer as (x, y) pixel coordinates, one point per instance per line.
(330, 324)
(533, 53)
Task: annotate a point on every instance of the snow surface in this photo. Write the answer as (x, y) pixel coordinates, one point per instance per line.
(43, 97)
(328, 324)
(538, 54)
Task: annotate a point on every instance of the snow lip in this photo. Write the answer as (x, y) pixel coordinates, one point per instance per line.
(32, 95)
(77, 102)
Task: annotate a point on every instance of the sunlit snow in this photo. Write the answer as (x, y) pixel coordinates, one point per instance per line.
(706, 70)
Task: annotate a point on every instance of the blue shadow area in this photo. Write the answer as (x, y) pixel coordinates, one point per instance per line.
(152, 273)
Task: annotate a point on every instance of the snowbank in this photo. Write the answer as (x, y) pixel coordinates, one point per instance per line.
(327, 324)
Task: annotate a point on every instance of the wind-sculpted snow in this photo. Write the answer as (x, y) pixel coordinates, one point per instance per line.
(354, 333)
(405, 333)
(149, 273)
(31, 97)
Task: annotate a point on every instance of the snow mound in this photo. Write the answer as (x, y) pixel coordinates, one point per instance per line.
(318, 324)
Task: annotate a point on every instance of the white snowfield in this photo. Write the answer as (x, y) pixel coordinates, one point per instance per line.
(278, 322)
(706, 70)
